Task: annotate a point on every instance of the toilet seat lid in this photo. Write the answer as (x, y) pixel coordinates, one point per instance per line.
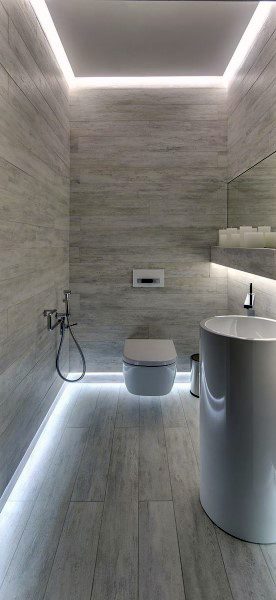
(150, 353)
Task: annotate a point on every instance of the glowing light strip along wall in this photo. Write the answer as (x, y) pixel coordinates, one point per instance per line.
(254, 26)
(256, 23)
(49, 434)
(143, 82)
(47, 24)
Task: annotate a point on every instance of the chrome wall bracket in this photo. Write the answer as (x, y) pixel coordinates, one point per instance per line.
(52, 320)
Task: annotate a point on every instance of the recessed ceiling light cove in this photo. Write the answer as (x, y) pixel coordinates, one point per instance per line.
(255, 25)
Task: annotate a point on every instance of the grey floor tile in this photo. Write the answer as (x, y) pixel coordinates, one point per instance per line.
(203, 569)
(13, 519)
(269, 553)
(160, 576)
(128, 409)
(30, 568)
(91, 479)
(83, 411)
(172, 409)
(73, 569)
(246, 568)
(71, 548)
(122, 484)
(150, 412)
(154, 479)
(191, 410)
(116, 573)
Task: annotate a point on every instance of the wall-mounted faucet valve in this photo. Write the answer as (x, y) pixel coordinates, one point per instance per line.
(52, 321)
(54, 318)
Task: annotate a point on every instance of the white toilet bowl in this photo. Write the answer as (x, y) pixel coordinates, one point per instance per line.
(149, 366)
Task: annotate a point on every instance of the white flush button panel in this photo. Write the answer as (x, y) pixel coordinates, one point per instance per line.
(148, 278)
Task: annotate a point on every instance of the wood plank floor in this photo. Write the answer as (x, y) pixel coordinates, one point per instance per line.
(107, 508)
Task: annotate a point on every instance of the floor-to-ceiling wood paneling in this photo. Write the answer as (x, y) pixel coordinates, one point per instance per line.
(251, 138)
(251, 104)
(34, 225)
(147, 191)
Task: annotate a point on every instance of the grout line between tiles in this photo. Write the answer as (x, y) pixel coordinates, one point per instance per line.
(104, 500)
(175, 522)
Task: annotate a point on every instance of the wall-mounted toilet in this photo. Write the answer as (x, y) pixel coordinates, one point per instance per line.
(149, 366)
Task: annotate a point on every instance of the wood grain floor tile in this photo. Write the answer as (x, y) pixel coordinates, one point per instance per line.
(160, 576)
(116, 573)
(247, 569)
(161, 547)
(172, 410)
(150, 412)
(203, 569)
(82, 414)
(91, 479)
(154, 479)
(122, 483)
(73, 569)
(128, 409)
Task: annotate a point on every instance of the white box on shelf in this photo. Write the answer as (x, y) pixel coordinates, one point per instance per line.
(270, 239)
(230, 240)
(264, 228)
(222, 237)
(244, 231)
(235, 240)
(254, 239)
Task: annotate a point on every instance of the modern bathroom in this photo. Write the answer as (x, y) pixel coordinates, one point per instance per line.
(138, 300)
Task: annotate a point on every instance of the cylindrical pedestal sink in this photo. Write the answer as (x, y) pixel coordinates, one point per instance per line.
(238, 425)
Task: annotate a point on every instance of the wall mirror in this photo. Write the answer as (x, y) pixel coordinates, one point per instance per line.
(252, 196)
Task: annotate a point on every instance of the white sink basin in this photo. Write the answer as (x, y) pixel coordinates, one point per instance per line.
(238, 425)
(244, 328)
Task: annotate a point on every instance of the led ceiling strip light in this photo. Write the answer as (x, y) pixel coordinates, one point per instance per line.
(42, 12)
(254, 26)
(142, 82)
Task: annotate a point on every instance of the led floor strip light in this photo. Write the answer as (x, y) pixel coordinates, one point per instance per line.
(25, 481)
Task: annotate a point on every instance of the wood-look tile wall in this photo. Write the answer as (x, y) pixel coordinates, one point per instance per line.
(34, 225)
(251, 104)
(148, 172)
(251, 138)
